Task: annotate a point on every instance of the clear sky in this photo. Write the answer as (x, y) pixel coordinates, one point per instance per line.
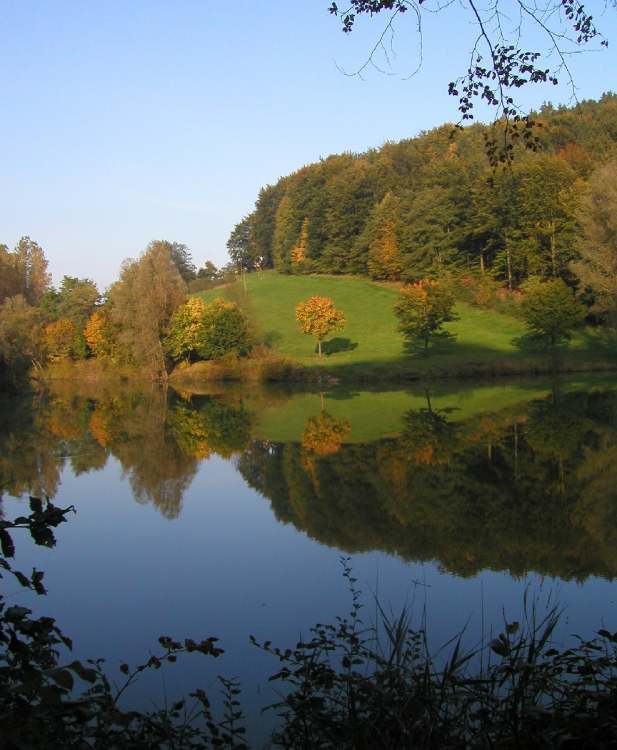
(124, 122)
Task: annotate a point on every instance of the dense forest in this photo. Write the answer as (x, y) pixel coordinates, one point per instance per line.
(423, 211)
(411, 209)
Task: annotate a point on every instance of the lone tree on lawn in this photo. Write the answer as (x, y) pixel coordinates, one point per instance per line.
(422, 309)
(551, 310)
(318, 317)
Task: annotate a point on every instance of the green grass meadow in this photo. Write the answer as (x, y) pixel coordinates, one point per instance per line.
(370, 347)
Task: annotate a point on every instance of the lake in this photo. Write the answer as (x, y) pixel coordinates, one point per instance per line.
(227, 513)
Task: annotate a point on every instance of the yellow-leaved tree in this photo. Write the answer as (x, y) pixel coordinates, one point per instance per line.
(323, 435)
(59, 338)
(318, 317)
(384, 259)
(298, 253)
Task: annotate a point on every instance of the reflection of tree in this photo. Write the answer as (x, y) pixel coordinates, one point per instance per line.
(29, 459)
(209, 425)
(428, 437)
(555, 430)
(487, 498)
(134, 431)
(157, 444)
(323, 435)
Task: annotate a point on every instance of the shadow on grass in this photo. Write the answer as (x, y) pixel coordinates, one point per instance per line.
(603, 342)
(536, 343)
(338, 345)
(272, 338)
(443, 342)
(450, 359)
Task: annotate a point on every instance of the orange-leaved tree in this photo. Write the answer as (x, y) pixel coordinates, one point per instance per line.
(101, 335)
(317, 316)
(323, 435)
(59, 338)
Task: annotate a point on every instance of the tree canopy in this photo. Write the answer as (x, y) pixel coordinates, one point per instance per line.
(317, 316)
(142, 302)
(500, 61)
(412, 209)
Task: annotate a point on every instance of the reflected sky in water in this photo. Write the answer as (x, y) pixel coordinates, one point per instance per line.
(125, 572)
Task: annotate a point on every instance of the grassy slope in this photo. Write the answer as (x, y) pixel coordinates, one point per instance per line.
(370, 344)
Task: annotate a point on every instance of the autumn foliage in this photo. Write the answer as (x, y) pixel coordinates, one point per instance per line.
(59, 338)
(101, 335)
(384, 258)
(422, 309)
(323, 435)
(318, 317)
(207, 330)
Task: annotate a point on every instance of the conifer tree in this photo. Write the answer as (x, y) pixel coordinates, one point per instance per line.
(299, 252)
(384, 259)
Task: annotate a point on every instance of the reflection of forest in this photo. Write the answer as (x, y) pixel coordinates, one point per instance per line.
(533, 488)
(530, 487)
(158, 442)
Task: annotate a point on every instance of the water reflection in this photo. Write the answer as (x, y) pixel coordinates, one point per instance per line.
(158, 441)
(528, 486)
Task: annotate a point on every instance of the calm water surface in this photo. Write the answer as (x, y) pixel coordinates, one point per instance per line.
(227, 514)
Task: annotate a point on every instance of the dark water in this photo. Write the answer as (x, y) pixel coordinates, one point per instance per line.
(227, 514)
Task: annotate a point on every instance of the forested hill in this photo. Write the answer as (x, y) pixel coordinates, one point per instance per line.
(408, 209)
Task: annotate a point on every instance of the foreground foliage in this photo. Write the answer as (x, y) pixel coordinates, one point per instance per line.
(353, 685)
(47, 702)
(350, 684)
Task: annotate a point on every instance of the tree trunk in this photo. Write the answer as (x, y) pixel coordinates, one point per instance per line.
(508, 261)
(427, 393)
(553, 249)
(319, 346)
(482, 263)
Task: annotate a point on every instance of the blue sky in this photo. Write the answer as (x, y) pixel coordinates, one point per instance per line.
(124, 122)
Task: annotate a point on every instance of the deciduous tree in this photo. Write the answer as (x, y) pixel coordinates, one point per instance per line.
(142, 303)
(318, 317)
(598, 244)
(551, 310)
(500, 63)
(299, 252)
(59, 339)
(101, 335)
(207, 330)
(21, 342)
(31, 265)
(422, 309)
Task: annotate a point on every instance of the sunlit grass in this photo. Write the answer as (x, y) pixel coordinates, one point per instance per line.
(371, 344)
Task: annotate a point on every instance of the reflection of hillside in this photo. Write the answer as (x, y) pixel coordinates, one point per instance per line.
(526, 487)
(530, 490)
(158, 442)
